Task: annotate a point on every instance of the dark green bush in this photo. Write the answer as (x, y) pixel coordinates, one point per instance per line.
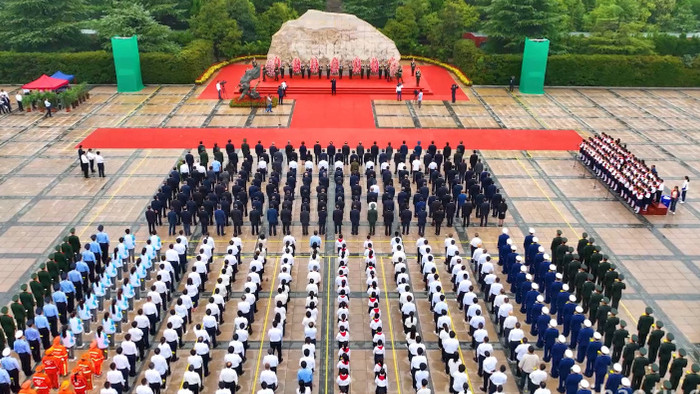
(98, 67)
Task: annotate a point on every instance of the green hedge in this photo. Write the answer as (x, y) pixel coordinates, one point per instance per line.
(98, 67)
(580, 70)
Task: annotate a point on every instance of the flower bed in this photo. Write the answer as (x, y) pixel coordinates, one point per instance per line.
(246, 103)
(218, 66)
(456, 71)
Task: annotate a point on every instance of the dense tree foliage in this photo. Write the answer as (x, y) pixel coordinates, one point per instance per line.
(40, 25)
(132, 18)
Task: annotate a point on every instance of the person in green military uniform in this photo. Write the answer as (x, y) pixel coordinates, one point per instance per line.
(582, 243)
(588, 251)
(666, 387)
(37, 290)
(45, 279)
(74, 242)
(219, 155)
(19, 312)
(677, 366)
(639, 366)
(609, 279)
(587, 291)
(204, 158)
(628, 354)
(53, 269)
(579, 280)
(570, 266)
(67, 250)
(27, 300)
(3, 341)
(372, 215)
(201, 148)
(594, 260)
(245, 147)
(691, 380)
(655, 339)
(602, 313)
(618, 341)
(61, 259)
(603, 267)
(556, 241)
(644, 325)
(594, 303)
(8, 325)
(651, 379)
(666, 350)
(610, 326)
(616, 290)
(560, 252)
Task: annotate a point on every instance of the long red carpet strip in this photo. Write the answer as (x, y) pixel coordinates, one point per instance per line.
(183, 138)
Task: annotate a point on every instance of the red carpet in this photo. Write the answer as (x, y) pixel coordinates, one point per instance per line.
(182, 138)
(435, 82)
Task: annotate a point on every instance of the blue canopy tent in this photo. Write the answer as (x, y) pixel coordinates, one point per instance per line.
(60, 75)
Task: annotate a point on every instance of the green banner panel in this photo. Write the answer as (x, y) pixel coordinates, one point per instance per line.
(127, 64)
(534, 66)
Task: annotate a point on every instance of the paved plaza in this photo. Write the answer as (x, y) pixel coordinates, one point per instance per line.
(43, 194)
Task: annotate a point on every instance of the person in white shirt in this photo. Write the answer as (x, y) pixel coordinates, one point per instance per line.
(537, 377)
(144, 388)
(269, 378)
(488, 368)
(193, 380)
(271, 360)
(100, 161)
(459, 380)
(498, 379)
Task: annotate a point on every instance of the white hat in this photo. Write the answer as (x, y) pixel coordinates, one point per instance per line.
(625, 382)
(540, 298)
(509, 241)
(518, 258)
(535, 239)
(545, 310)
(6, 352)
(505, 231)
(596, 335)
(535, 286)
(565, 287)
(552, 267)
(523, 268)
(579, 309)
(587, 323)
(617, 367)
(562, 339)
(540, 249)
(572, 298)
(558, 276)
(531, 230)
(584, 384)
(605, 350)
(576, 369)
(19, 334)
(528, 277)
(568, 353)
(513, 248)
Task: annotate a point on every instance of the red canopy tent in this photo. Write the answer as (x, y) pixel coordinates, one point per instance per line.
(45, 82)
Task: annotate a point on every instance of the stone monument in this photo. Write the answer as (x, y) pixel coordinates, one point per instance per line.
(325, 35)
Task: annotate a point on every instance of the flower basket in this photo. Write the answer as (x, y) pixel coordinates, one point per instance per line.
(278, 62)
(270, 67)
(374, 65)
(335, 66)
(356, 65)
(314, 65)
(296, 65)
(393, 66)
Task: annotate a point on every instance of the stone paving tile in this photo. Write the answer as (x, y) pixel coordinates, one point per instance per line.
(561, 167)
(470, 110)
(633, 241)
(395, 121)
(605, 212)
(525, 187)
(24, 186)
(228, 121)
(510, 167)
(662, 277)
(43, 165)
(195, 109)
(144, 121)
(437, 121)
(272, 120)
(29, 239)
(684, 316)
(186, 121)
(582, 188)
(544, 212)
(387, 109)
(10, 207)
(521, 122)
(77, 186)
(485, 122)
(55, 211)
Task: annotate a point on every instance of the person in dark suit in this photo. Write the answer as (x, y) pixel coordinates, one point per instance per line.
(388, 216)
(172, 221)
(355, 221)
(322, 218)
(286, 216)
(406, 216)
(220, 219)
(333, 87)
(254, 217)
(186, 219)
(151, 219)
(484, 211)
(203, 219)
(338, 220)
(237, 219)
(305, 217)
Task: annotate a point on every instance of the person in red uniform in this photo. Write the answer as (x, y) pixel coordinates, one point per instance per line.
(61, 354)
(41, 381)
(65, 388)
(78, 381)
(27, 388)
(50, 364)
(86, 368)
(97, 356)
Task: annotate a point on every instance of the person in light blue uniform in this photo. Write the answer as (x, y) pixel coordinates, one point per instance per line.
(103, 240)
(76, 279)
(5, 381)
(52, 315)
(33, 338)
(21, 347)
(44, 327)
(11, 365)
(61, 300)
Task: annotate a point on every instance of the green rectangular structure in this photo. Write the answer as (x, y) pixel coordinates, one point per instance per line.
(534, 66)
(127, 64)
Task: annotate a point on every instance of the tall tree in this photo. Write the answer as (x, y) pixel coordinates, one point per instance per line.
(404, 30)
(301, 6)
(40, 25)
(129, 19)
(375, 12)
(511, 21)
(449, 24)
(272, 19)
(243, 11)
(173, 13)
(214, 23)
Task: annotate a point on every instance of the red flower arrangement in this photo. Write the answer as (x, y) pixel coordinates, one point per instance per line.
(314, 65)
(270, 67)
(356, 65)
(393, 66)
(278, 62)
(335, 64)
(374, 65)
(296, 65)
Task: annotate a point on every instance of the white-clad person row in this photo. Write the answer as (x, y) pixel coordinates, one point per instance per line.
(342, 286)
(375, 324)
